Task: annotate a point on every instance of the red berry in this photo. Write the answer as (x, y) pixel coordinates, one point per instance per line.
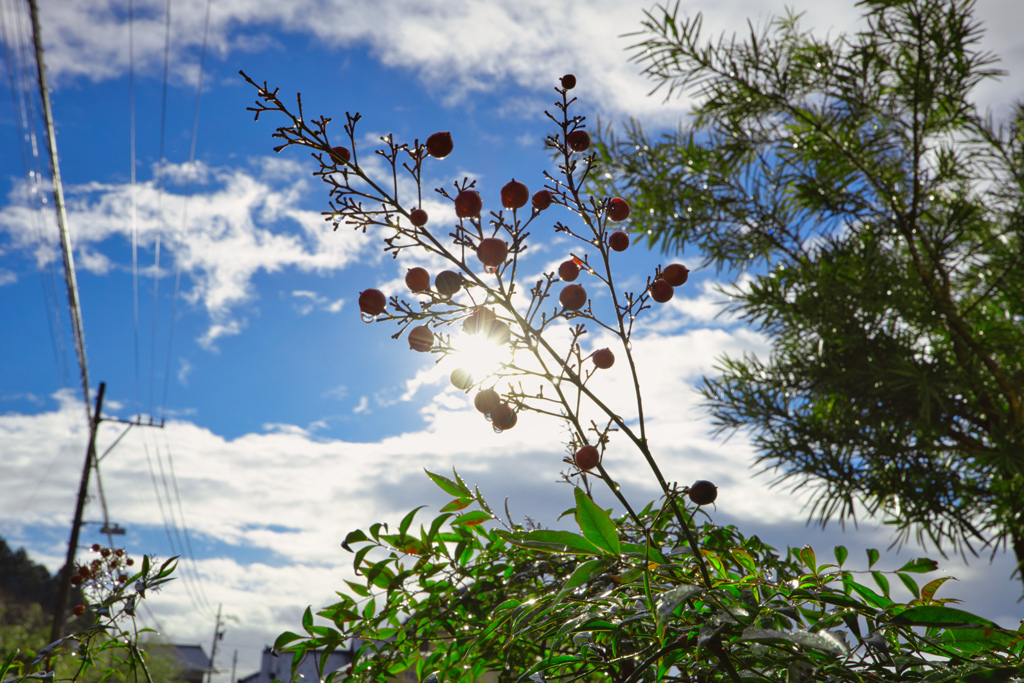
(461, 379)
(542, 199)
(492, 252)
(486, 400)
(514, 195)
(661, 291)
(703, 492)
(76, 580)
(417, 279)
(440, 145)
(675, 274)
(503, 417)
(568, 81)
(569, 270)
(478, 320)
(421, 339)
(418, 217)
(604, 358)
(372, 302)
(96, 547)
(468, 204)
(573, 297)
(618, 210)
(79, 610)
(341, 155)
(618, 241)
(447, 283)
(579, 140)
(587, 457)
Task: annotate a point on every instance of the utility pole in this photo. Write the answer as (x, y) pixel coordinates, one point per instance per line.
(217, 635)
(57, 630)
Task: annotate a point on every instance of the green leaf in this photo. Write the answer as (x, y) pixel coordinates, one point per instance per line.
(841, 554)
(580, 576)
(358, 589)
(910, 584)
(882, 582)
(551, 541)
(869, 595)
(807, 557)
(407, 520)
(285, 638)
(937, 615)
(597, 526)
(457, 504)
(471, 518)
(449, 486)
(872, 557)
(921, 565)
(928, 592)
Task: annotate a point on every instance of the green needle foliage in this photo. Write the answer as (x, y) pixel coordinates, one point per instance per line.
(878, 214)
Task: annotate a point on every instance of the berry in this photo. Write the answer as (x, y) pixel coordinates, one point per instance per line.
(447, 283)
(340, 155)
(440, 145)
(542, 199)
(76, 580)
(498, 332)
(618, 209)
(468, 204)
(573, 297)
(79, 610)
(479, 320)
(96, 547)
(568, 81)
(569, 270)
(618, 241)
(579, 140)
(418, 217)
(675, 274)
(587, 457)
(604, 358)
(703, 492)
(417, 279)
(486, 400)
(461, 379)
(492, 252)
(421, 339)
(661, 291)
(514, 195)
(372, 302)
(503, 417)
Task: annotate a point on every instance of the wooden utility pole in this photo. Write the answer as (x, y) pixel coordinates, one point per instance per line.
(57, 630)
(217, 635)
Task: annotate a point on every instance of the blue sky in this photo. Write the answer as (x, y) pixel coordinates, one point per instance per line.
(290, 422)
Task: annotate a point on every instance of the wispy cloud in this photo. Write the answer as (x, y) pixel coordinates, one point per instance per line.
(240, 222)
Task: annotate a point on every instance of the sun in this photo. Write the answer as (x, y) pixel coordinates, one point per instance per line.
(481, 355)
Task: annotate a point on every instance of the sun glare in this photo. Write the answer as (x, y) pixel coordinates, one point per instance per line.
(480, 355)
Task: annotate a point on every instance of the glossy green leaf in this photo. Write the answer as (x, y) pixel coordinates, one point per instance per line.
(929, 589)
(882, 582)
(449, 486)
(841, 554)
(807, 557)
(597, 526)
(551, 541)
(937, 615)
(872, 557)
(457, 504)
(357, 536)
(919, 566)
(471, 518)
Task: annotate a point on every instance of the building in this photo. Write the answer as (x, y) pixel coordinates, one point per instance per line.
(191, 659)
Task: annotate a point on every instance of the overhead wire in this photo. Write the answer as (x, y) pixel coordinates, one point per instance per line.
(188, 194)
(133, 217)
(159, 183)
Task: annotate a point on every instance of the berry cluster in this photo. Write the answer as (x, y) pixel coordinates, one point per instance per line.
(103, 573)
(475, 294)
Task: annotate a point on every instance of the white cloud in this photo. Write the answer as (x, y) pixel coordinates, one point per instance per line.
(240, 223)
(457, 47)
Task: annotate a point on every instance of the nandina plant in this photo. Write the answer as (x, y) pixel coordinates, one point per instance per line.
(659, 592)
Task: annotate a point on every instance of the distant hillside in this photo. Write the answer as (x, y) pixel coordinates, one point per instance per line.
(23, 581)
